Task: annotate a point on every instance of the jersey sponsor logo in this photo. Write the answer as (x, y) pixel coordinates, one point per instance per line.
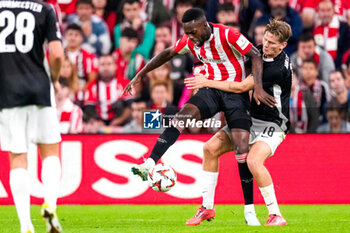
(151, 119)
(210, 60)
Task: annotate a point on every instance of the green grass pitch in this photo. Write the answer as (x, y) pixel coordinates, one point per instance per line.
(172, 218)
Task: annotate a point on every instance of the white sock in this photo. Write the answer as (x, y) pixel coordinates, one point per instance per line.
(149, 163)
(19, 183)
(249, 208)
(209, 180)
(268, 193)
(51, 176)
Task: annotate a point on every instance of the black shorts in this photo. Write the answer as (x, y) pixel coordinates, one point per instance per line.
(235, 106)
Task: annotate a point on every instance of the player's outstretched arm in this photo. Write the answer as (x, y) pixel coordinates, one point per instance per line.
(155, 62)
(257, 70)
(56, 54)
(199, 81)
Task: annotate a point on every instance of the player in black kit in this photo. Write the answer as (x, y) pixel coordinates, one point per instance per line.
(269, 124)
(27, 109)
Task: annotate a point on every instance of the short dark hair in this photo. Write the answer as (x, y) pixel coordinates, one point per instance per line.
(192, 14)
(337, 71)
(131, 2)
(160, 83)
(129, 33)
(89, 2)
(74, 27)
(334, 105)
(183, 2)
(139, 99)
(306, 37)
(310, 60)
(226, 6)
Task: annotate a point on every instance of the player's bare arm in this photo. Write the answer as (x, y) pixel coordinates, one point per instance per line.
(200, 81)
(56, 54)
(155, 62)
(257, 69)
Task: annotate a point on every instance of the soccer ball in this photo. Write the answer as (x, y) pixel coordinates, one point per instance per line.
(161, 178)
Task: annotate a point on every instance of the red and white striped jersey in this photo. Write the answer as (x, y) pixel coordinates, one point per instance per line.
(70, 117)
(222, 55)
(326, 36)
(103, 95)
(85, 62)
(123, 65)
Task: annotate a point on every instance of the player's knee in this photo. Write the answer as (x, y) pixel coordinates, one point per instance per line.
(210, 151)
(189, 111)
(253, 163)
(242, 148)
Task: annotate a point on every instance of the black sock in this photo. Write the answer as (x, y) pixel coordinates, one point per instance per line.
(246, 182)
(168, 138)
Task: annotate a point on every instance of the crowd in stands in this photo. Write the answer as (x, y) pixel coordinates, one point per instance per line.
(108, 41)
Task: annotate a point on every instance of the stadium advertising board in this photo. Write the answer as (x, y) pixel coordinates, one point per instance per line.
(96, 170)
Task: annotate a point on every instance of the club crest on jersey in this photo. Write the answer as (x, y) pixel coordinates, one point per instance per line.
(219, 49)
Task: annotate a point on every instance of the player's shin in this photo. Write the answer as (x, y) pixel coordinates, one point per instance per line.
(168, 138)
(209, 181)
(51, 175)
(246, 178)
(19, 183)
(269, 195)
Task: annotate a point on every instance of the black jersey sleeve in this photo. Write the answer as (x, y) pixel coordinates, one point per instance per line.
(52, 26)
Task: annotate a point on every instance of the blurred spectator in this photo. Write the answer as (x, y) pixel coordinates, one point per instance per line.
(279, 9)
(341, 93)
(157, 13)
(159, 97)
(259, 33)
(109, 16)
(181, 6)
(69, 71)
(250, 11)
(136, 124)
(106, 90)
(307, 10)
(67, 7)
(163, 34)
(162, 74)
(335, 123)
(92, 122)
(95, 30)
(132, 19)
(226, 13)
(303, 110)
(319, 89)
(181, 65)
(330, 33)
(127, 60)
(346, 71)
(58, 11)
(307, 49)
(69, 115)
(85, 62)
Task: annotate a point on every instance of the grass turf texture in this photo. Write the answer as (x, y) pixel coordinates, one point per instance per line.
(172, 218)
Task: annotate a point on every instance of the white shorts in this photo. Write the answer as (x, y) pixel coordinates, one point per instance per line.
(20, 126)
(264, 131)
